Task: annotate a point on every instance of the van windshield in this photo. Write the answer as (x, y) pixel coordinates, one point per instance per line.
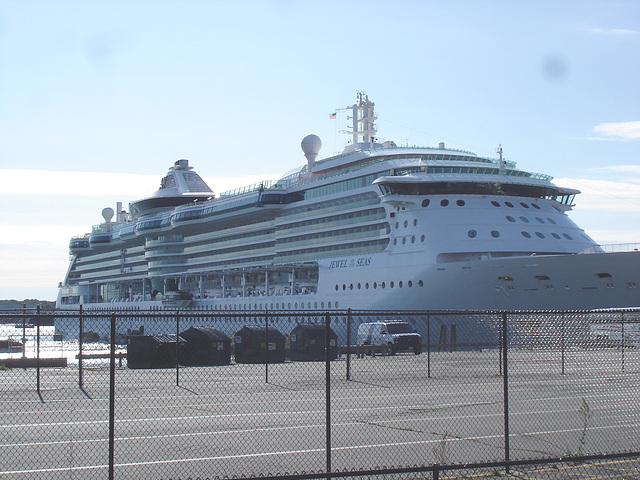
(399, 328)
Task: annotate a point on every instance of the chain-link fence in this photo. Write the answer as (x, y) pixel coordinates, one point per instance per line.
(202, 394)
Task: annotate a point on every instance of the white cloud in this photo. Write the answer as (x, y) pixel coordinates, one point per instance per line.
(616, 32)
(618, 131)
(605, 195)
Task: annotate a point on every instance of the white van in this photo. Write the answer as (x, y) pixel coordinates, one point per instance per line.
(396, 335)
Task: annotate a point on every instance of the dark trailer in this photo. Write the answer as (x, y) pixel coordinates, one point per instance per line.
(153, 351)
(251, 345)
(205, 346)
(308, 342)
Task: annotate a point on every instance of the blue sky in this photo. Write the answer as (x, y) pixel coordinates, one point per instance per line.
(98, 99)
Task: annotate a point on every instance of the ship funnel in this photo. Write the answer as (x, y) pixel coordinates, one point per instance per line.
(441, 145)
(311, 145)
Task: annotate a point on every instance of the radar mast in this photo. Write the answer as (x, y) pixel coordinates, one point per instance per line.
(363, 116)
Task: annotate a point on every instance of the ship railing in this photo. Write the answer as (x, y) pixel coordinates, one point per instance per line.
(249, 188)
(613, 248)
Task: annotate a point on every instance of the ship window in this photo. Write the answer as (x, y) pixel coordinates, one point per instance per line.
(509, 204)
(551, 221)
(494, 203)
(524, 219)
(366, 286)
(539, 235)
(329, 304)
(422, 238)
(472, 233)
(603, 275)
(539, 220)
(506, 278)
(410, 283)
(555, 235)
(404, 240)
(351, 286)
(395, 241)
(415, 222)
(359, 286)
(391, 285)
(542, 277)
(444, 203)
(375, 284)
(425, 202)
(526, 234)
(344, 287)
(421, 283)
(567, 236)
(397, 225)
(382, 285)
(524, 205)
(406, 224)
(413, 239)
(495, 233)
(510, 218)
(337, 288)
(460, 203)
(400, 284)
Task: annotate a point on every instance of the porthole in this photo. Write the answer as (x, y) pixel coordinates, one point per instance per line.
(397, 225)
(524, 205)
(315, 304)
(425, 202)
(509, 204)
(421, 283)
(472, 233)
(524, 219)
(351, 286)
(539, 220)
(444, 203)
(556, 236)
(337, 288)
(382, 285)
(539, 235)
(526, 234)
(410, 283)
(400, 284)
(415, 222)
(510, 218)
(495, 204)
(495, 233)
(375, 285)
(460, 203)
(321, 304)
(344, 287)
(390, 284)
(366, 286)
(329, 305)
(422, 238)
(536, 206)
(413, 239)
(567, 236)
(395, 241)
(551, 221)
(404, 240)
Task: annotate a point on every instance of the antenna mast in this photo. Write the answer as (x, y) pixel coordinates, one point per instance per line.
(363, 116)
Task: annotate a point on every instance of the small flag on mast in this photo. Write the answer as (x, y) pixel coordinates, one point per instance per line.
(332, 116)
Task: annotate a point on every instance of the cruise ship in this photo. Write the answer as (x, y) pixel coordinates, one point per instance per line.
(379, 226)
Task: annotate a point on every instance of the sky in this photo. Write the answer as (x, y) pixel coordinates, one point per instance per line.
(99, 98)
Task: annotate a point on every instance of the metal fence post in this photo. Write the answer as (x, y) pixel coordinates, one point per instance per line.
(327, 359)
(112, 394)
(80, 345)
(622, 338)
(266, 347)
(177, 348)
(505, 384)
(348, 344)
(428, 345)
(38, 349)
(562, 344)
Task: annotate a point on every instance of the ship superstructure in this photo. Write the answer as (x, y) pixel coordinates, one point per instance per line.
(376, 227)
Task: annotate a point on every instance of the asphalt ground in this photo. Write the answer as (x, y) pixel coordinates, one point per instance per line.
(244, 420)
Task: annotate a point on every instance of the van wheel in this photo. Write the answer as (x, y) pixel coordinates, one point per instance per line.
(417, 350)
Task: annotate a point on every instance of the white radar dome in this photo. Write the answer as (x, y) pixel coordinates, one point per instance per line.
(107, 214)
(311, 145)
